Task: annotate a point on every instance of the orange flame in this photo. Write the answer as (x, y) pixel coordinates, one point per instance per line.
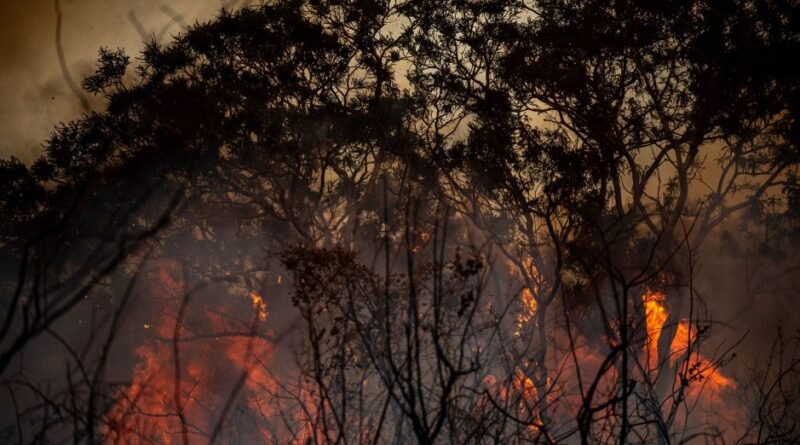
(700, 368)
(187, 370)
(259, 305)
(655, 317)
(527, 298)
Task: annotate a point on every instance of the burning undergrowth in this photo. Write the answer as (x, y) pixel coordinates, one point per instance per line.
(207, 368)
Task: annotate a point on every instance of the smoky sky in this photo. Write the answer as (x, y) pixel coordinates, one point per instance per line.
(35, 95)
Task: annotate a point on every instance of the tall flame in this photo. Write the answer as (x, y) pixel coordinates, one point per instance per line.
(655, 317)
(699, 367)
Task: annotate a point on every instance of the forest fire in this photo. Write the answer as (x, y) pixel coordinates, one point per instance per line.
(180, 388)
(411, 221)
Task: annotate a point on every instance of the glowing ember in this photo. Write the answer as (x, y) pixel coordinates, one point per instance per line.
(529, 305)
(259, 305)
(422, 240)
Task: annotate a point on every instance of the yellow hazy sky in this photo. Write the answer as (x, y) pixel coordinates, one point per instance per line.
(34, 95)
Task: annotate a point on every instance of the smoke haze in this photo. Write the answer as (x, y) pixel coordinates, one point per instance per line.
(35, 94)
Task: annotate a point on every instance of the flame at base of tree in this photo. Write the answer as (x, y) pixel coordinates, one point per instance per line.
(699, 389)
(682, 346)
